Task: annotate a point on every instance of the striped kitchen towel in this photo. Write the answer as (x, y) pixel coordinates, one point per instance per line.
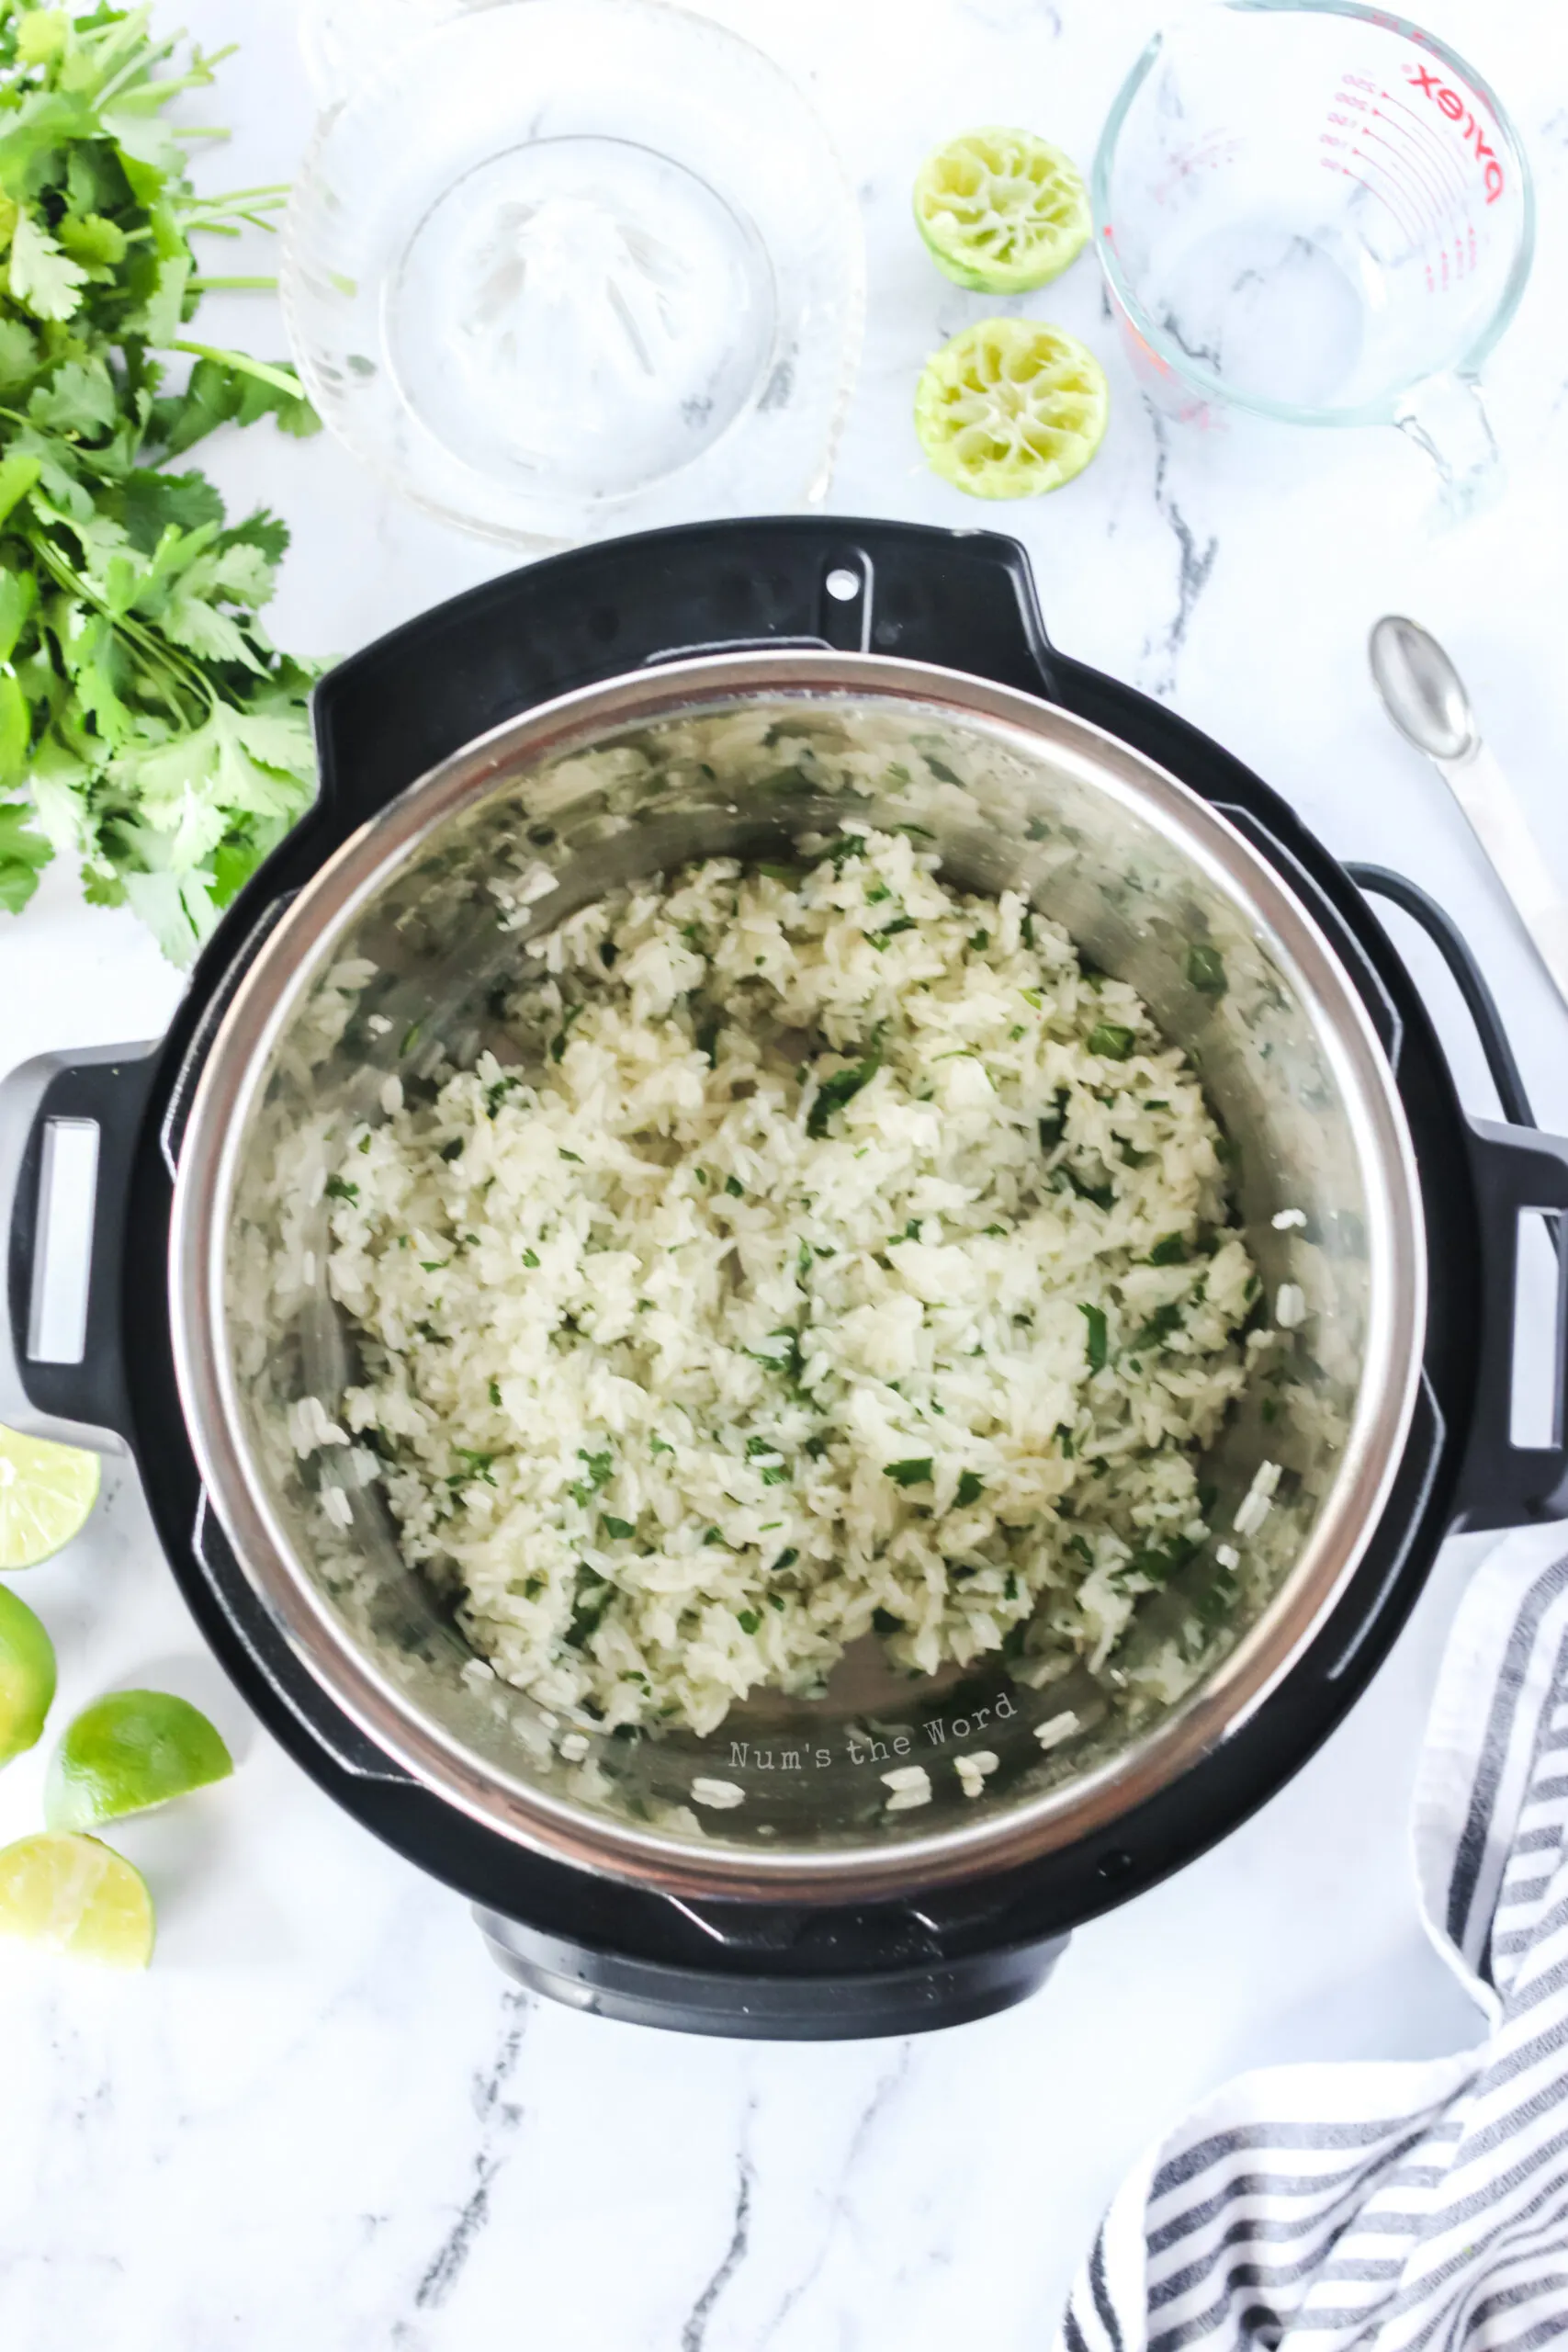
(1417, 2204)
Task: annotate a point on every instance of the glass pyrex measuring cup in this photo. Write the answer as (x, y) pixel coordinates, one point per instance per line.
(1315, 211)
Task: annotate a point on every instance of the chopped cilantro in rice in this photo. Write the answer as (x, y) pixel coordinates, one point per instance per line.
(830, 1256)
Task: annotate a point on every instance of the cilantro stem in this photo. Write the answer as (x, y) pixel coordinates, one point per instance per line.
(231, 284)
(157, 655)
(137, 61)
(226, 224)
(247, 366)
(275, 189)
(131, 83)
(140, 95)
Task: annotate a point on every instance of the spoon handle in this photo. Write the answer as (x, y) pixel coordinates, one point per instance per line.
(1497, 818)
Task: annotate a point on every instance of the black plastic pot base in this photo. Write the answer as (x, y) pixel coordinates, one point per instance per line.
(762, 2008)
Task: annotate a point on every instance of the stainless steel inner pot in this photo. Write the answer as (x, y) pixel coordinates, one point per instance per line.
(381, 967)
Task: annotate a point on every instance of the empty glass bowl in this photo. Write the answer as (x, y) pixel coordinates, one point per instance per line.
(345, 41)
(570, 267)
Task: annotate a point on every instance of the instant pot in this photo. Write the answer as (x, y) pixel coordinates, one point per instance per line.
(511, 756)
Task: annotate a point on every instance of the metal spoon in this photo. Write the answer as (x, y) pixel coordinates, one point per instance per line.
(1425, 696)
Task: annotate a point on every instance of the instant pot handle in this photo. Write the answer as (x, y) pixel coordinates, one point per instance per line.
(1516, 1173)
(68, 1136)
(963, 599)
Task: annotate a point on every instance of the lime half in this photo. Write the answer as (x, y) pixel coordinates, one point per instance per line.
(71, 1894)
(1002, 211)
(26, 1676)
(1010, 408)
(46, 1494)
(124, 1753)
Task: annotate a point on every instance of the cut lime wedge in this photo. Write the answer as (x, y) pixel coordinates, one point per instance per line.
(124, 1753)
(46, 1494)
(73, 1895)
(1010, 408)
(26, 1676)
(1002, 211)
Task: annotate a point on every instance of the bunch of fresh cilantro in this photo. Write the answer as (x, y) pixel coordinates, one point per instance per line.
(147, 726)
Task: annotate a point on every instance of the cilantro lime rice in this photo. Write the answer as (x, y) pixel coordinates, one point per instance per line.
(825, 1253)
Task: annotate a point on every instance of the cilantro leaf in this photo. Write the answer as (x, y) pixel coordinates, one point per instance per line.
(224, 389)
(19, 356)
(835, 1091)
(23, 857)
(78, 398)
(267, 532)
(43, 279)
(1206, 969)
(19, 473)
(592, 1595)
(15, 729)
(91, 240)
(18, 595)
(1111, 1041)
(1160, 1325)
(149, 502)
(191, 621)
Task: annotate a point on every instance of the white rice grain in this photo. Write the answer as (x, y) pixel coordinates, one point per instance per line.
(1258, 1500)
(721, 1796)
(974, 1770)
(1060, 1727)
(336, 1505)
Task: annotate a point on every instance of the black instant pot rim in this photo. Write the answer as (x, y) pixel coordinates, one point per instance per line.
(964, 600)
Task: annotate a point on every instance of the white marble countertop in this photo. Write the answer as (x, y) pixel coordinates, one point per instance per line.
(323, 2120)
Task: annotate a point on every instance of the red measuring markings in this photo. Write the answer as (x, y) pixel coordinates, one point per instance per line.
(1437, 173)
(1182, 162)
(1424, 136)
(1412, 234)
(1411, 153)
(1440, 262)
(1404, 158)
(1459, 106)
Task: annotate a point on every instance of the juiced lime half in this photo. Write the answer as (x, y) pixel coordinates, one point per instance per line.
(1010, 408)
(46, 1494)
(1002, 211)
(133, 1749)
(73, 1895)
(26, 1676)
